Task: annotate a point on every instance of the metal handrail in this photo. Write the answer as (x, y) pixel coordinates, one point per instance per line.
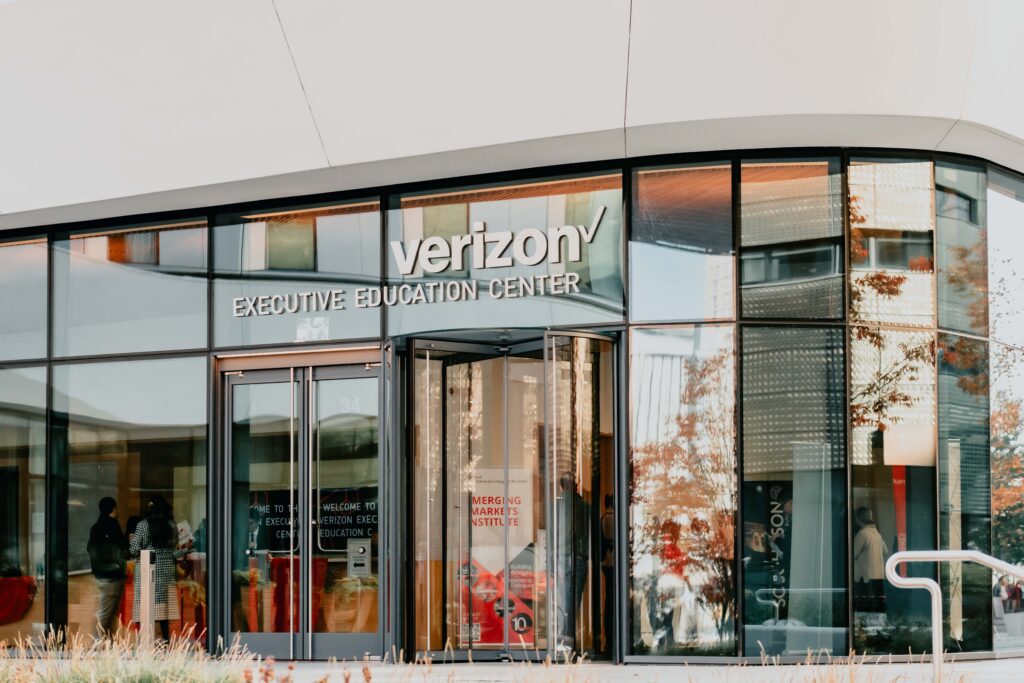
(891, 573)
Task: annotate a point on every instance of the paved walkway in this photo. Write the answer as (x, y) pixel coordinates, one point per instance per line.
(957, 672)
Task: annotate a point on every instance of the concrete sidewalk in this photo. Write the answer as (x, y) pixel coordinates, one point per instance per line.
(353, 672)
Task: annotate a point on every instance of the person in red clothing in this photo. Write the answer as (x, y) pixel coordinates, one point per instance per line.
(673, 559)
(671, 581)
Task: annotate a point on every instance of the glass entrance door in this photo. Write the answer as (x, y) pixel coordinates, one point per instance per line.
(578, 372)
(302, 454)
(504, 512)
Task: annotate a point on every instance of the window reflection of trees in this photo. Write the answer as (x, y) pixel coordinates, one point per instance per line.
(891, 234)
(684, 501)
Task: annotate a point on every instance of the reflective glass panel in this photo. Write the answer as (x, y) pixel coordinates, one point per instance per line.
(1006, 317)
(683, 506)
(1005, 212)
(794, 487)
(892, 225)
(681, 250)
(482, 486)
(346, 556)
(1007, 468)
(791, 237)
(964, 489)
(580, 447)
(961, 252)
(291, 275)
(514, 522)
(529, 255)
(892, 416)
(22, 502)
(475, 520)
(264, 504)
(23, 304)
(432, 631)
(134, 434)
(132, 289)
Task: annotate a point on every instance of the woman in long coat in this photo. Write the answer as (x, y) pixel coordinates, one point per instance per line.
(158, 532)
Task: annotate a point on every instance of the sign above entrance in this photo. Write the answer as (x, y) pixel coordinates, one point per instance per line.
(538, 253)
(501, 249)
(479, 250)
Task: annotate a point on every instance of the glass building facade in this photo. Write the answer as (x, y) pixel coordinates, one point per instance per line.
(670, 409)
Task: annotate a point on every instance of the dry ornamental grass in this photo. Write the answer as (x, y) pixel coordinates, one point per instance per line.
(84, 659)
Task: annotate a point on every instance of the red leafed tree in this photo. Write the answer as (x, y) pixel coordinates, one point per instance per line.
(1007, 478)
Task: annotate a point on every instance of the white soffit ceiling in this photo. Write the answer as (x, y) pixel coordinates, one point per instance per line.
(117, 107)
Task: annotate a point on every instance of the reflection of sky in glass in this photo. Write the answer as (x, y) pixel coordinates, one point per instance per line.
(104, 306)
(24, 388)
(658, 370)
(1006, 278)
(23, 305)
(674, 283)
(147, 392)
(1006, 285)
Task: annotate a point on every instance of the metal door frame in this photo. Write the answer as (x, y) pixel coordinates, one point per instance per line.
(320, 644)
(482, 351)
(551, 338)
(264, 643)
(414, 347)
(301, 642)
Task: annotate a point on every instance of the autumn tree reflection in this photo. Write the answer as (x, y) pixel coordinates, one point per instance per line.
(892, 392)
(684, 491)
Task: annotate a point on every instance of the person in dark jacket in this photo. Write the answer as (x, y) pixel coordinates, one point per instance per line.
(108, 554)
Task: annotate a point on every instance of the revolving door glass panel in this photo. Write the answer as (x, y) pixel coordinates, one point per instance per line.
(485, 490)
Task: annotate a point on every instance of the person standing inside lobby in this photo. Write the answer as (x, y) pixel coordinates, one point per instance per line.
(108, 549)
(869, 554)
(159, 533)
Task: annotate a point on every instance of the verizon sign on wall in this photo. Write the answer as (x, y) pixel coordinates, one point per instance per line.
(443, 258)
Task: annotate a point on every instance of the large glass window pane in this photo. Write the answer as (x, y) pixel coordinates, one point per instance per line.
(429, 562)
(346, 478)
(892, 415)
(682, 243)
(136, 439)
(1007, 463)
(263, 507)
(291, 275)
(961, 251)
(791, 237)
(23, 304)
(683, 488)
(1005, 246)
(22, 502)
(794, 487)
(964, 491)
(1006, 318)
(529, 255)
(132, 289)
(892, 224)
